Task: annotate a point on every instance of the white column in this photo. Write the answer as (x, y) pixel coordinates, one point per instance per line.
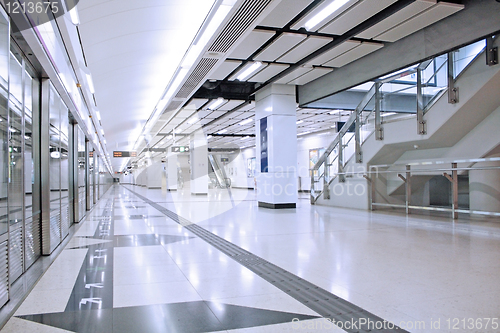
(199, 163)
(172, 172)
(276, 143)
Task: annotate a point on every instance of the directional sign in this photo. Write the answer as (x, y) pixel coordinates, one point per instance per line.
(124, 154)
(180, 149)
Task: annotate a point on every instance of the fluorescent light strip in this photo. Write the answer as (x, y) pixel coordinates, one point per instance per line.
(299, 122)
(218, 102)
(246, 121)
(73, 14)
(322, 15)
(90, 83)
(249, 71)
(222, 132)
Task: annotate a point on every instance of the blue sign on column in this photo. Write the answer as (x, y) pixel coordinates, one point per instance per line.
(264, 161)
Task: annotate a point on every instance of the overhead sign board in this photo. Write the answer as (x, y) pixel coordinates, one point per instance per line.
(180, 149)
(124, 154)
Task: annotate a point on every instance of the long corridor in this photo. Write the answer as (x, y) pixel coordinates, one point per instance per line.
(145, 260)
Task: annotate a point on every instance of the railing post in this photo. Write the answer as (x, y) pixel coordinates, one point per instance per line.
(491, 52)
(422, 124)
(379, 130)
(452, 90)
(341, 159)
(326, 177)
(454, 175)
(311, 191)
(357, 137)
(408, 189)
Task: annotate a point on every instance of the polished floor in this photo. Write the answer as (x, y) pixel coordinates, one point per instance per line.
(136, 264)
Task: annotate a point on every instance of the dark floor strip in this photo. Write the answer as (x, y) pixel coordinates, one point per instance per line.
(186, 317)
(323, 302)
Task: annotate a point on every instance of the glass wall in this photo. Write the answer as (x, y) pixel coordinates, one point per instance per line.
(90, 176)
(58, 165)
(4, 155)
(82, 201)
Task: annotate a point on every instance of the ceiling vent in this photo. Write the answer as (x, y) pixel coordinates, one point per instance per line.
(173, 106)
(237, 26)
(202, 69)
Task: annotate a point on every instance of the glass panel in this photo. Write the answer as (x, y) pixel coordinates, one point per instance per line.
(29, 167)
(15, 133)
(82, 200)
(4, 50)
(465, 55)
(65, 151)
(55, 154)
(4, 158)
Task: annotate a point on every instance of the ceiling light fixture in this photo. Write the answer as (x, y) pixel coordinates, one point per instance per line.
(218, 102)
(90, 83)
(246, 121)
(322, 15)
(249, 71)
(74, 17)
(222, 132)
(299, 122)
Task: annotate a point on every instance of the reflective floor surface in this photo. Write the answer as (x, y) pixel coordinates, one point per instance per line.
(131, 268)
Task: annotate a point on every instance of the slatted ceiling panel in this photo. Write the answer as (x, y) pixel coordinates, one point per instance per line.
(355, 15)
(284, 13)
(293, 75)
(252, 42)
(305, 48)
(239, 115)
(230, 105)
(354, 54)
(248, 107)
(312, 75)
(335, 52)
(420, 21)
(302, 22)
(268, 72)
(196, 103)
(246, 67)
(399, 17)
(205, 121)
(216, 114)
(224, 69)
(281, 45)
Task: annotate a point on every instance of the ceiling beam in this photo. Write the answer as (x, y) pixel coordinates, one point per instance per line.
(476, 21)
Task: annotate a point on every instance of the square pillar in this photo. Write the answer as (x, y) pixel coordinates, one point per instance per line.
(199, 163)
(276, 144)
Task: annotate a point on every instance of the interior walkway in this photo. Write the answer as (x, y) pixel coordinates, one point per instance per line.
(150, 261)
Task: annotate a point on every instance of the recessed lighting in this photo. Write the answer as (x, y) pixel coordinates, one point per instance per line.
(246, 121)
(322, 15)
(249, 71)
(218, 102)
(300, 122)
(222, 131)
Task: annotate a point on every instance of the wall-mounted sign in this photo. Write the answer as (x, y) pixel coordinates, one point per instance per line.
(180, 149)
(224, 159)
(124, 154)
(91, 154)
(264, 159)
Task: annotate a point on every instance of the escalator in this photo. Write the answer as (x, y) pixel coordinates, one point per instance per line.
(217, 173)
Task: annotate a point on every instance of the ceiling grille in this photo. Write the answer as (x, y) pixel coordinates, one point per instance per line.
(205, 65)
(240, 22)
(173, 106)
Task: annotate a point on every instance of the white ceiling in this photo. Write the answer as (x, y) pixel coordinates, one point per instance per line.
(132, 49)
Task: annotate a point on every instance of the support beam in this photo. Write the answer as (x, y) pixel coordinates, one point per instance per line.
(478, 20)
